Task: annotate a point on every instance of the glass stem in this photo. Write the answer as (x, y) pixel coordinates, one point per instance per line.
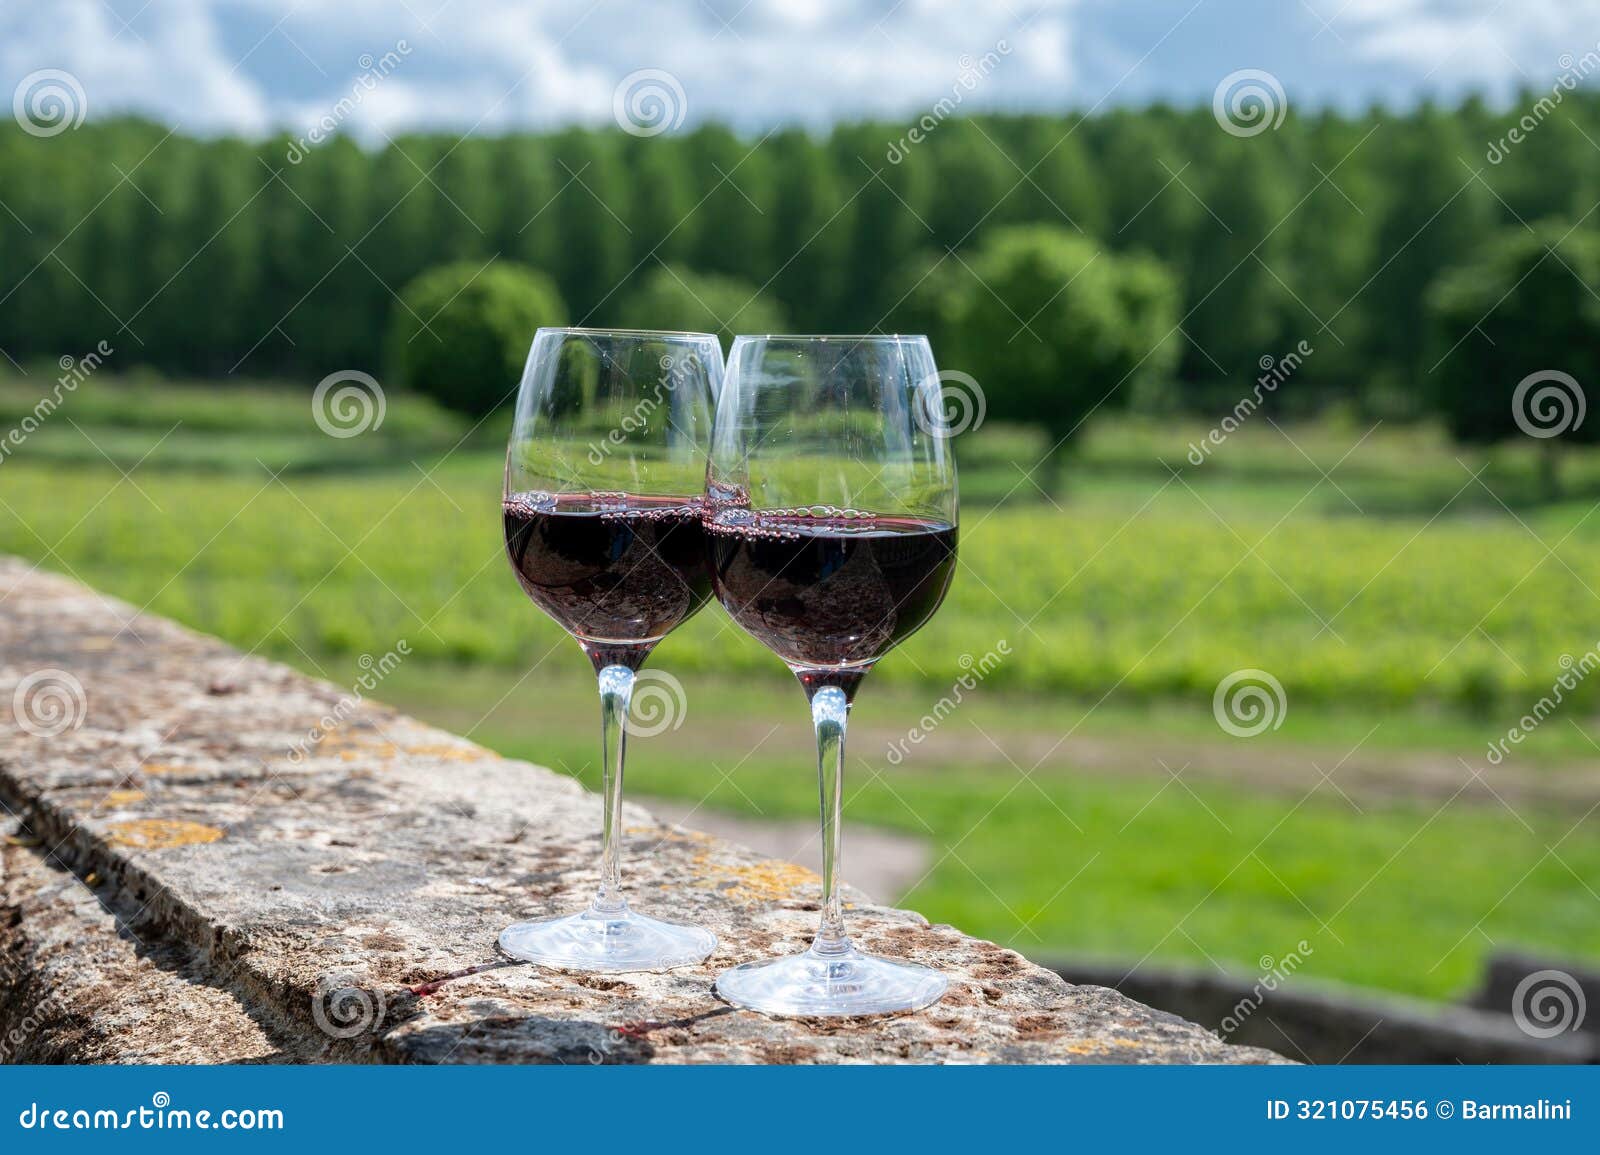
(616, 688)
(830, 711)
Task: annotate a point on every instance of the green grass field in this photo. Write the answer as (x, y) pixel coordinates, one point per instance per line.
(1411, 610)
(1154, 585)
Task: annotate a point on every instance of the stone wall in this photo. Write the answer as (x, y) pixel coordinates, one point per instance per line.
(193, 873)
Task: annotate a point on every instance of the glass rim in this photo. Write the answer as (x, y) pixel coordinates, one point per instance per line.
(819, 338)
(585, 331)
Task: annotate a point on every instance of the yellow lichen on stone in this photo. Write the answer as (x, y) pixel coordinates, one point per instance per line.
(160, 833)
(668, 833)
(770, 881)
(450, 753)
(122, 797)
(163, 768)
(350, 747)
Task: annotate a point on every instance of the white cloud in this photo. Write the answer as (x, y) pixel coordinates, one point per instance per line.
(174, 67)
(252, 64)
(1046, 49)
(1488, 42)
(249, 65)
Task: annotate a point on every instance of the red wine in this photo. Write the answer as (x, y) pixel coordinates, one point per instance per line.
(610, 567)
(830, 591)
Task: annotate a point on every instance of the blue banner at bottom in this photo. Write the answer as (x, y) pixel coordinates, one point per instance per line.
(663, 1109)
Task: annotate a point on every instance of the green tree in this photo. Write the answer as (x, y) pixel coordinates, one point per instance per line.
(837, 229)
(319, 305)
(1055, 179)
(398, 238)
(675, 298)
(1054, 328)
(346, 306)
(732, 229)
(212, 298)
(108, 231)
(461, 331)
(46, 191)
(1503, 324)
(1437, 216)
(1236, 296)
(1332, 250)
(812, 232)
(591, 209)
(969, 179)
(1553, 170)
(663, 213)
(160, 325)
(525, 178)
(1150, 210)
(466, 204)
(889, 226)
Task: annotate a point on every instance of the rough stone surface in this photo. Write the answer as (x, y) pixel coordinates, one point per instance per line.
(179, 887)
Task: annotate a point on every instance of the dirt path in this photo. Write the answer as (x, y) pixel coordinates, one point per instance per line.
(1361, 771)
(882, 863)
(1361, 774)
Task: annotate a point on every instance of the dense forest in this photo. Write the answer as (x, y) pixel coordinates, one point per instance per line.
(1331, 232)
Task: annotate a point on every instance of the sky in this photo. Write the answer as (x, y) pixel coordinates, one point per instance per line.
(252, 66)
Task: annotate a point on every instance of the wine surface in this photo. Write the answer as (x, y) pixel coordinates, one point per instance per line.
(610, 567)
(830, 591)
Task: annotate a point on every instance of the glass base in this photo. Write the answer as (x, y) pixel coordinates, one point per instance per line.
(607, 941)
(850, 983)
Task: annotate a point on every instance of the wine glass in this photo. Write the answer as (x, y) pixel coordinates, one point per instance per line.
(831, 519)
(602, 512)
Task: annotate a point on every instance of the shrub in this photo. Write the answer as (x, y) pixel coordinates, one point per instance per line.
(461, 332)
(673, 297)
(1524, 310)
(1052, 328)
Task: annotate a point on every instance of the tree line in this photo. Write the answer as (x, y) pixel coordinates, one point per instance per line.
(1336, 232)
